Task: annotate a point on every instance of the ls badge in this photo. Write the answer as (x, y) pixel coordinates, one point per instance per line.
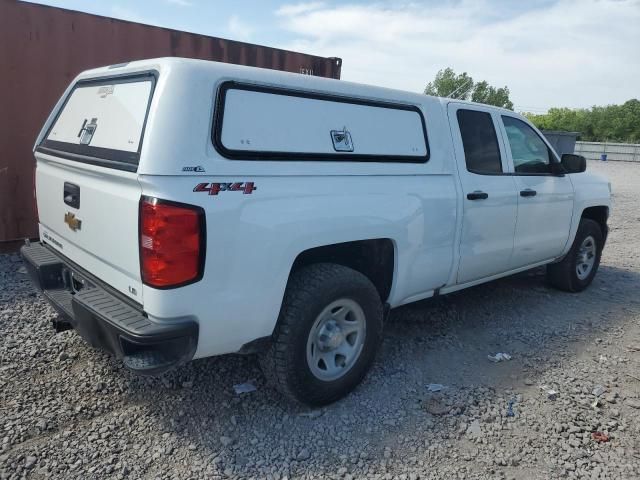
(73, 222)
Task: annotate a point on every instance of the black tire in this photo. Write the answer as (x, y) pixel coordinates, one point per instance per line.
(309, 291)
(563, 275)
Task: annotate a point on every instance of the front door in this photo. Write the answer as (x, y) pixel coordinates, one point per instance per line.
(545, 199)
(489, 193)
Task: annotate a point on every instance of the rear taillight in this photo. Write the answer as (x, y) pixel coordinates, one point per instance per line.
(172, 243)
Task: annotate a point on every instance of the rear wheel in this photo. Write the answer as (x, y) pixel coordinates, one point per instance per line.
(576, 271)
(329, 330)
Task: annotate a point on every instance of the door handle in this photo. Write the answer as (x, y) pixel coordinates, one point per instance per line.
(71, 194)
(528, 193)
(477, 195)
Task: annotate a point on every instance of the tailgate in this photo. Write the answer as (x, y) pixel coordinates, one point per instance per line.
(101, 234)
(86, 182)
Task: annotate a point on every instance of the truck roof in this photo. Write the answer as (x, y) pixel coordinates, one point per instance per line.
(196, 67)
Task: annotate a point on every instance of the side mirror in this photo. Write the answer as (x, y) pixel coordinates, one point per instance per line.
(573, 163)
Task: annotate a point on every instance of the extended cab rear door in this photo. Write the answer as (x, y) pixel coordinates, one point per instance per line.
(87, 189)
(489, 194)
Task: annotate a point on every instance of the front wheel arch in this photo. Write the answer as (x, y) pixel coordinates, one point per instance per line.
(600, 215)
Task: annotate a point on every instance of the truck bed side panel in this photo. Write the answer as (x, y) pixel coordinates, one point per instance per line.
(253, 240)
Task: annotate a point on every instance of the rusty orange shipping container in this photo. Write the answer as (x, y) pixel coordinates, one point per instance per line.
(43, 48)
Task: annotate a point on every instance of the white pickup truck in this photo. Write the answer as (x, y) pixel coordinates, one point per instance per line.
(191, 208)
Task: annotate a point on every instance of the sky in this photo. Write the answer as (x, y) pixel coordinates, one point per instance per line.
(550, 53)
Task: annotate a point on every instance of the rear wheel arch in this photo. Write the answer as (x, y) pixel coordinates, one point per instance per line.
(374, 258)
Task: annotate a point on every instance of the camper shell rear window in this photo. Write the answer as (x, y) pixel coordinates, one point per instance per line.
(256, 122)
(102, 121)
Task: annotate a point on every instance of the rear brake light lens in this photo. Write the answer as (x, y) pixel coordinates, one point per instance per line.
(172, 243)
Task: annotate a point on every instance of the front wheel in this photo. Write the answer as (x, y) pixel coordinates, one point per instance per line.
(328, 332)
(576, 270)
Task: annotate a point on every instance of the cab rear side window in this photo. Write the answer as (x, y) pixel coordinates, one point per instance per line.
(102, 122)
(480, 142)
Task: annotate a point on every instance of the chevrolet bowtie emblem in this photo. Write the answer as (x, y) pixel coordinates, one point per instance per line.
(73, 222)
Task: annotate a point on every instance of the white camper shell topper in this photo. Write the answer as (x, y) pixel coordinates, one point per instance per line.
(191, 208)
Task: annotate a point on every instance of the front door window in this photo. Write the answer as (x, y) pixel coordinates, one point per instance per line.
(530, 154)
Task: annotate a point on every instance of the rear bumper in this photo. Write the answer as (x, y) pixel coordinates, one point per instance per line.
(107, 320)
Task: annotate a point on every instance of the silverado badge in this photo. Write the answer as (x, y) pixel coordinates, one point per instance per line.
(73, 222)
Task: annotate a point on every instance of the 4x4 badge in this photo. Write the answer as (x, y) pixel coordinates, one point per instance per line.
(73, 222)
(246, 188)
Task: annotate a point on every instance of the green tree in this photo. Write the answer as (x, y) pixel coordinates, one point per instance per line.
(462, 87)
(615, 123)
(485, 93)
(448, 84)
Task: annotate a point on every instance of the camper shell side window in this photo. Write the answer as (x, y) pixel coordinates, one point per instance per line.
(254, 122)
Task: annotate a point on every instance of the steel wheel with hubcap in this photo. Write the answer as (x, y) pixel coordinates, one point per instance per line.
(336, 339)
(586, 257)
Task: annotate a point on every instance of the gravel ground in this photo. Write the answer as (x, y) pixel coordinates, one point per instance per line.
(68, 411)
